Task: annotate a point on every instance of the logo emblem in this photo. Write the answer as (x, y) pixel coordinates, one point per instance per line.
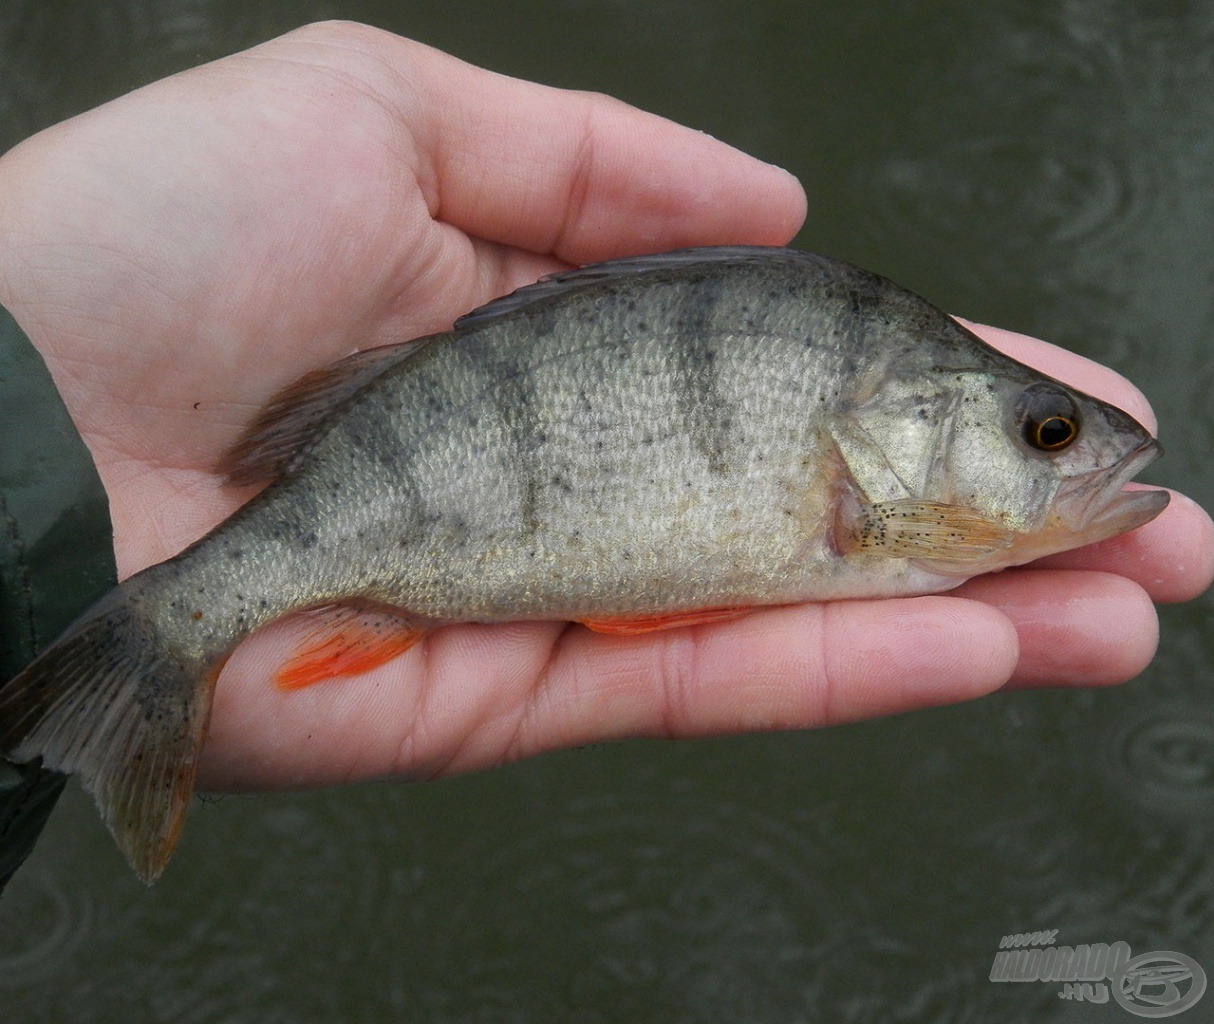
(1159, 984)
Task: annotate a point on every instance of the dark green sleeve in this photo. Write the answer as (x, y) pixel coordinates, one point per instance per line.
(56, 555)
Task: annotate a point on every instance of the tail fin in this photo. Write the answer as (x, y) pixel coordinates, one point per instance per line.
(110, 702)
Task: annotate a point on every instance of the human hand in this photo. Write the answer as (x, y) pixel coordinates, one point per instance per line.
(181, 253)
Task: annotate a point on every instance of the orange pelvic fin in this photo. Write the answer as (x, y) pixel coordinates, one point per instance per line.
(346, 641)
(634, 624)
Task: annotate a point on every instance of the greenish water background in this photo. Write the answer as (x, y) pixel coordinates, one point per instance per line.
(1048, 167)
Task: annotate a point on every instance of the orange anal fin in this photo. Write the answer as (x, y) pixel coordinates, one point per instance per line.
(345, 642)
(634, 624)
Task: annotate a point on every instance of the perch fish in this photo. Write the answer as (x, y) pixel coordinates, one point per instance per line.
(634, 445)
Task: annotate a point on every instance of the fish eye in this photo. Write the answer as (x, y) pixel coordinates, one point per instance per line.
(1048, 417)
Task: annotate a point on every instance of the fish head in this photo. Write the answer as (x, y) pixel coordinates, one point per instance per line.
(1047, 461)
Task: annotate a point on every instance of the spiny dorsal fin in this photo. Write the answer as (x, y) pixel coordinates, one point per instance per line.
(565, 281)
(289, 421)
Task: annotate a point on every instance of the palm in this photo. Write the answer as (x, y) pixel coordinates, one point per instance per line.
(338, 189)
(302, 232)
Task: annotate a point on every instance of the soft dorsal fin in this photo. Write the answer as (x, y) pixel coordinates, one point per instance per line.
(565, 281)
(289, 421)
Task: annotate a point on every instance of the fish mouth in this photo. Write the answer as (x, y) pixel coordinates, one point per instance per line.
(1094, 507)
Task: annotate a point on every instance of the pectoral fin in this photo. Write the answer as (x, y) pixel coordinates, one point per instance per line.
(948, 539)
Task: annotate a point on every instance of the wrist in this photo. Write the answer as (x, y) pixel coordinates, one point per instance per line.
(5, 231)
(10, 231)
(31, 247)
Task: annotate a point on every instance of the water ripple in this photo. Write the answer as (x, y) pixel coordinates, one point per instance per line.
(703, 909)
(43, 923)
(1052, 156)
(996, 191)
(1162, 759)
